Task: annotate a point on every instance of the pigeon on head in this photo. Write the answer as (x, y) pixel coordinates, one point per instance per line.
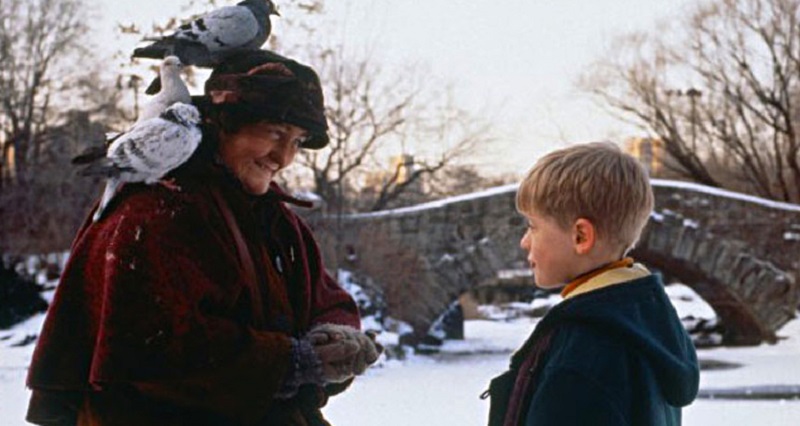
(208, 40)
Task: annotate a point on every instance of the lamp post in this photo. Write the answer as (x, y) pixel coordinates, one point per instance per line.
(693, 94)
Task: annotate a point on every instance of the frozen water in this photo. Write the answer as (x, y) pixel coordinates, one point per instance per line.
(443, 389)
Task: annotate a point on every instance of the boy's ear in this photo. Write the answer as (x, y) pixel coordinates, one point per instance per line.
(584, 235)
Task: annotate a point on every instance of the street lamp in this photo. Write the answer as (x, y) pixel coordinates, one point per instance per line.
(692, 94)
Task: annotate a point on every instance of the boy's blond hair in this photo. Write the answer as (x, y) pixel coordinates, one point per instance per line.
(595, 181)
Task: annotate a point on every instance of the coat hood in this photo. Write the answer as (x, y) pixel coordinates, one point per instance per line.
(640, 313)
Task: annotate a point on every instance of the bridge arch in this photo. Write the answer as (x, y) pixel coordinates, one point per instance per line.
(740, 253)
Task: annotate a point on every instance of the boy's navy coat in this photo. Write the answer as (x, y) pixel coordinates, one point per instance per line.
(617, 356)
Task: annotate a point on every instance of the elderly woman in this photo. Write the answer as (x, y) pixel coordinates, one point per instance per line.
(207, 305)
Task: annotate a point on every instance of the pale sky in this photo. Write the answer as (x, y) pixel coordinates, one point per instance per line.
(518, 59)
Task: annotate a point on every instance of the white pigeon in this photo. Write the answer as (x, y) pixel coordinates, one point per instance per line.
(173, 89)
(148, 151)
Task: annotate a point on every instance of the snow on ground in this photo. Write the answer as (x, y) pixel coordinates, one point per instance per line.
(14, 361)
(688, 303)
(443, 389)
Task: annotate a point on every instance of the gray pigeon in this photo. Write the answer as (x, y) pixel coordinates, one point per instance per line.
(208, 40)
(148, 151)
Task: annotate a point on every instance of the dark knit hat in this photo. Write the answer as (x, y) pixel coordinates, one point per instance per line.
(272, 87)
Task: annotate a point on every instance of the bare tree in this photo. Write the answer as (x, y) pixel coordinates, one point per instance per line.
(36, 37)
(465, 179)
(369, 107)
(41, 216)
(52, 95)
(720, 90)
(457, 132)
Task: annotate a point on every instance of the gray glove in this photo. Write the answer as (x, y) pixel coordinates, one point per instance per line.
(317, 364)
(367, 353)
(335, 356)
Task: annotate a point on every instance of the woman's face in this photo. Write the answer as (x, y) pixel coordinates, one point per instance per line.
(257, 152)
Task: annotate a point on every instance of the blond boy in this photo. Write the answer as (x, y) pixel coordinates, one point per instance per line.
(614, 351)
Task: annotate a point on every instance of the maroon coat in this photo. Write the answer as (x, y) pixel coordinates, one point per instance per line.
(153, 322)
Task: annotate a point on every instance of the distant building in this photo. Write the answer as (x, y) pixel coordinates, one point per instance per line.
(401, 165)
(8, 170)
(397, 176)
(650, 152)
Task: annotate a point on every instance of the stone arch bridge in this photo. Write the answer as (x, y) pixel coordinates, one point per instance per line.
(740, 253)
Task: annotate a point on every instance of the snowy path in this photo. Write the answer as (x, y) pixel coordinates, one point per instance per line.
(444, 390)
(427, 393)
(422, 391)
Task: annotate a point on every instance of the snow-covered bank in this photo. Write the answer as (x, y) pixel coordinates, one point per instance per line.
(14, 360)
(427, 391)
(443, 389)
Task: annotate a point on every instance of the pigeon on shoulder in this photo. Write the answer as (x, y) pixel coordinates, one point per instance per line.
(208, 40)
(148, 151)
(174, 90)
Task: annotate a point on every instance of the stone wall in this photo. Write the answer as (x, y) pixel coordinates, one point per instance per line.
(741, 254)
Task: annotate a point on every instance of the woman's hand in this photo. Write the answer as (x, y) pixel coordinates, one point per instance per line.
(336, 357)
(332, 334)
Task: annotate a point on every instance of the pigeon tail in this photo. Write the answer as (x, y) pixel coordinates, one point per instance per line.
(102, 167)
(154, 87)
(112, 136)
(89, 155)
(108, 193)
(157, 50)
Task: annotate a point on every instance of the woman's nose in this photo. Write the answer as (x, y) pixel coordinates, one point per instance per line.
(282, 153)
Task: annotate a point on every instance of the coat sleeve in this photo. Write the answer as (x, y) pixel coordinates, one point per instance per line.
(330, 303)
(569, 398)
(173, 320)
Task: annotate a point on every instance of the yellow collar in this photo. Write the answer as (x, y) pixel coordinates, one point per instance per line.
(609, 278)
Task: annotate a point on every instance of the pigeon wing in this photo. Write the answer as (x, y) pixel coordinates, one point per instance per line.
(138, 151)
(179, 143)
(226, 28)
(154, 148)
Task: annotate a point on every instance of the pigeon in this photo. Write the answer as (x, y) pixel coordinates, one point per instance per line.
(208, 40)
(174, 90)
(148, 151)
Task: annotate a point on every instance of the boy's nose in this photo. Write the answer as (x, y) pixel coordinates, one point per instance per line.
(523, 243)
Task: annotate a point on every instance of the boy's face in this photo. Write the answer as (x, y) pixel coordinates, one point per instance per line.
(551, 251)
